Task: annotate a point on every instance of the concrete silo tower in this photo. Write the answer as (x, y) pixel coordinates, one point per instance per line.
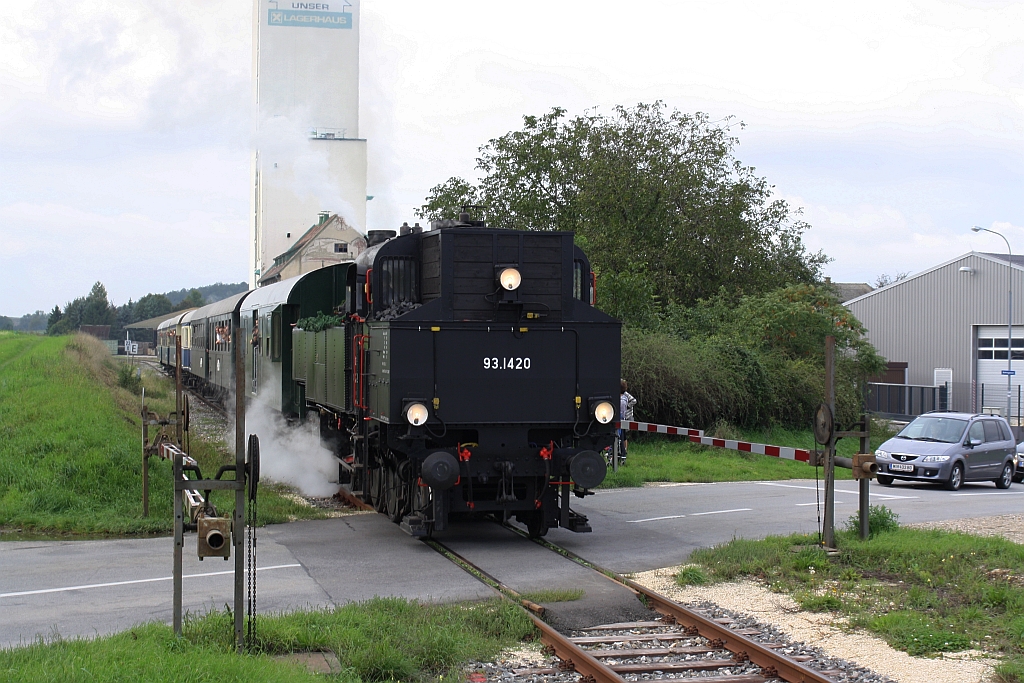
(308, 155)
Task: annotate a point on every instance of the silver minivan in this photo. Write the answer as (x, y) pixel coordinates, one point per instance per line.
(949, 449)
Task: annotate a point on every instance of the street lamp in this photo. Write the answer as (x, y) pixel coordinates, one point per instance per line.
(1009, 323)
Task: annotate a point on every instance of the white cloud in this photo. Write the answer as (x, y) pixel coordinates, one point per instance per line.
(897, 123)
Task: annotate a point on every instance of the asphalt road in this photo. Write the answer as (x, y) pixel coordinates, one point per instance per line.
(85, 588)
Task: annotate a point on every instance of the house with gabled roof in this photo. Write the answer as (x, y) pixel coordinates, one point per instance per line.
(949, 326)
(330, 241)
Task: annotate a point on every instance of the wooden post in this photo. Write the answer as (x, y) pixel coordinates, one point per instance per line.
(145, 457)
(829, 531)
(179, 542)
(238, 526)
(865, 483)
(177, 392)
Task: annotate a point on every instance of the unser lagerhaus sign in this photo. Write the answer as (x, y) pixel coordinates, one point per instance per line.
(309, 14)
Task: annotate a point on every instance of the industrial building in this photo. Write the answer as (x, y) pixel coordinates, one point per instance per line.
(308, 156)
(947, 327)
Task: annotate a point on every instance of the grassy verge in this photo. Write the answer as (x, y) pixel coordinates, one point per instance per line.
(70, 434)
(673, 459)
(924, 592)
(382, 639)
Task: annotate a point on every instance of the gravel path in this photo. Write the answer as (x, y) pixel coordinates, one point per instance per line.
(827, 633)
(1010, 527)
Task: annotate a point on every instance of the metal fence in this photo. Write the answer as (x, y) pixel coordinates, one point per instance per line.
(991, 398)
(906, 401)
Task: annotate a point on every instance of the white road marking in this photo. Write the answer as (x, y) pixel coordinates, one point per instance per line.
(800, 505)
(653, 519)
(126, 583)
(992, 493)
(887, 496)
(685, 483)
(719, 512)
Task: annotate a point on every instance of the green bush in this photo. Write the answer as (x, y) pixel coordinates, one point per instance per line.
(700, 382)
(319, 322)
(129, 377)
(881, 520)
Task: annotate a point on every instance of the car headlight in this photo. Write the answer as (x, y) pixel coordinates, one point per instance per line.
(416, 414)
(604, 412)
(509, 279)
(881, 454)
(935, 458)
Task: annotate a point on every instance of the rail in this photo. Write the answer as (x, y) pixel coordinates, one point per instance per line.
(772, 663)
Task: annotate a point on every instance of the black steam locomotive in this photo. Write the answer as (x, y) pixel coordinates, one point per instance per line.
(468, 372)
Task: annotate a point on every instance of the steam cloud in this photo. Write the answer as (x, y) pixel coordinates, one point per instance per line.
(285, 140)
(292, 454)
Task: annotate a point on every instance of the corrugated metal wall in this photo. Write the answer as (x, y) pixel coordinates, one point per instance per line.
(928, 320)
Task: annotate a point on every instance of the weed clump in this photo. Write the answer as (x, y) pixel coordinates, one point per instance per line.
(881, 520)
(130, 378)
(691, 575)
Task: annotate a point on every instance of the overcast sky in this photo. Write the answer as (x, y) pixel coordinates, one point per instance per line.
(125, 126)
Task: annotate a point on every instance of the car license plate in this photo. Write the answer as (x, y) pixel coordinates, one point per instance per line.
(900, 467)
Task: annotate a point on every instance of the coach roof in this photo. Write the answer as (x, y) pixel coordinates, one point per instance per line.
(222, 307)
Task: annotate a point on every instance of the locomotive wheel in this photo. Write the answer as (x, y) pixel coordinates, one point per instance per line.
(377, 488)
(395, 500)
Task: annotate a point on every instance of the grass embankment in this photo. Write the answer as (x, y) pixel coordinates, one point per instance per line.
(673, 459)
(924, 592)
(382, 639)
(70, 444)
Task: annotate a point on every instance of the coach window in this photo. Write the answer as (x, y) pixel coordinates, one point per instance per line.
(275, 330)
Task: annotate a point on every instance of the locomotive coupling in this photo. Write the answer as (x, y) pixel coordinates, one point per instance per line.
(214, 537)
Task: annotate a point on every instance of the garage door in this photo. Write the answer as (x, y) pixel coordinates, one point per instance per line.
(991, 363)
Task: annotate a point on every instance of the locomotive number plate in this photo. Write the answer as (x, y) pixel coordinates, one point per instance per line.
(509, 363)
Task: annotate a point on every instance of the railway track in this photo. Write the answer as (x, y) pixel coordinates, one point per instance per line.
(213, 405)
(683, 644)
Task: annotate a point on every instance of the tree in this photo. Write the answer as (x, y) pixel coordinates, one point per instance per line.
(150, 306)
(885, 279)
(93, 309)
(55, 317)
(796, 320)
(193, 300)
(6, 324)
(666, 213)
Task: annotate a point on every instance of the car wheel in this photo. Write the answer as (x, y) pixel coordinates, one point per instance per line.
(956, 478)
(885, 480)
(1006, 478)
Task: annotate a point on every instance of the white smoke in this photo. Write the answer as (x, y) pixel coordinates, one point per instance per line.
(284, 140)
(292, 453)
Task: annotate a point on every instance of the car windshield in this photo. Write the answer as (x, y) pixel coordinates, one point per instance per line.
(941, 429)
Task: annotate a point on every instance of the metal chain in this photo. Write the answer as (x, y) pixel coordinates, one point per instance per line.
(250, 532)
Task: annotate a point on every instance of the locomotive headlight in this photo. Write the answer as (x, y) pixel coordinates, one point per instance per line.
(416, 414)
(509, 279)
(604, 412)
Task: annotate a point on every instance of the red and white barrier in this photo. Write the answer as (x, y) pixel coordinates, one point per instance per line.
(697, 436)
(660, 429)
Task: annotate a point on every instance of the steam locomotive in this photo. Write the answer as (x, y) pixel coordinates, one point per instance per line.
(467, 370)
